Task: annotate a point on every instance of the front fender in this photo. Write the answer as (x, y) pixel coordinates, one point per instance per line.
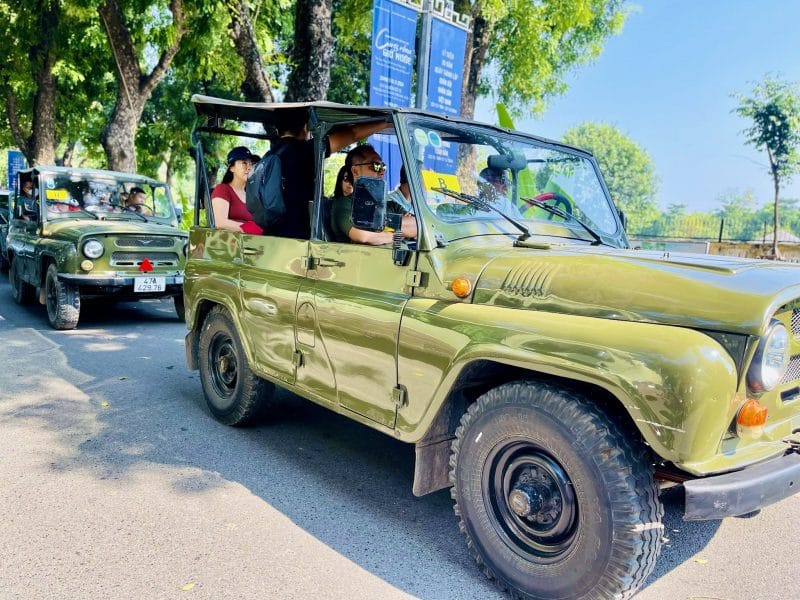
(677, 384)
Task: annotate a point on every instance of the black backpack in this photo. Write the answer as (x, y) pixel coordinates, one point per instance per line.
(264, 191)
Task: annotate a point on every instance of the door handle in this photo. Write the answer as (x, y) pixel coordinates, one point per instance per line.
(321, 261)
(248, 251)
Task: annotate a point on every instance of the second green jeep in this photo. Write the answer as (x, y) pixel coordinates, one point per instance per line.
(554, 378)
(85, 233)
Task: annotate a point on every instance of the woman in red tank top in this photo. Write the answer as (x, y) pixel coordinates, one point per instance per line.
(228, 198)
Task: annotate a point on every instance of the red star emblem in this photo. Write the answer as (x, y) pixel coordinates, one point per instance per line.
(146, 266)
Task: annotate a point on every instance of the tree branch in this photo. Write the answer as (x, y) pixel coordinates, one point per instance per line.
(179, 22)
(20, 139)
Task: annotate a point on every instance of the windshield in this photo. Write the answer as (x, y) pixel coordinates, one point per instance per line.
(94, 196)
(511, 174)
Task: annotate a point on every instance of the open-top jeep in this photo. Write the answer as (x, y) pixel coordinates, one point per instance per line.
(552, 376)
(83, 233)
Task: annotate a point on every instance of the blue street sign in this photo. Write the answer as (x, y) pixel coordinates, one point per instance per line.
(16, 162)
(445, 74)
(394, 31)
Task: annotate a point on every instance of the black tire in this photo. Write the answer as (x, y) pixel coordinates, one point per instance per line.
(553, 498)
(22, 292)
(62, 299)
(234, 394)
(180, 307)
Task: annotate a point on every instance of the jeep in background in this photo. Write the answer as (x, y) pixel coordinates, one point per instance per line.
(5, 213)
(553, 377)
(75, 235)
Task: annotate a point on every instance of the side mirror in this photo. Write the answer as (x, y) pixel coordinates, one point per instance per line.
(369, 204)
(179, 213)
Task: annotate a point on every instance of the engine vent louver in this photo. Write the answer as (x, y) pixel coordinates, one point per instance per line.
(529, 280)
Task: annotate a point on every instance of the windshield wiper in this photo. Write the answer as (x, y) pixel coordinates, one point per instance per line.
(130, 212)
(484, 206)
(567, 217)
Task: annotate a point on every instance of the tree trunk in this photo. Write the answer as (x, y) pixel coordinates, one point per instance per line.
(134, 88)
(313, 49)
(39, 147)
(255, 86)
(477, 45)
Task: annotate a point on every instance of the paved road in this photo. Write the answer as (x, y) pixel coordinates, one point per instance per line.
(116, 482)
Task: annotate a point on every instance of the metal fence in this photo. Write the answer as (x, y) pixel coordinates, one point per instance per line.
(716, 229)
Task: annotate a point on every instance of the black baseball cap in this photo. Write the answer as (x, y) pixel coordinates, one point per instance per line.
(241, 153)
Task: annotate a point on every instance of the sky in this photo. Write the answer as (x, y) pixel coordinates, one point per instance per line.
(666, 81)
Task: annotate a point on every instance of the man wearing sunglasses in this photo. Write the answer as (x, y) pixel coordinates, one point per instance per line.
(364, 161)
(297, 156)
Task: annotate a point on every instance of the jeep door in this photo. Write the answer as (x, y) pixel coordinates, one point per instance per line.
(348, 322)
(22, 240)
(271, 273)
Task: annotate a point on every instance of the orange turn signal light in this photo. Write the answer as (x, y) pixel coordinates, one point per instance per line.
(751, 419)
(461, 287)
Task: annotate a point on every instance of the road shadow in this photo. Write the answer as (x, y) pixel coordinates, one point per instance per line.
(682, 539)
(317, 468)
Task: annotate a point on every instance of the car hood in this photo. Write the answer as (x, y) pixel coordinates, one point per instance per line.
(709, 292)
(74, 229)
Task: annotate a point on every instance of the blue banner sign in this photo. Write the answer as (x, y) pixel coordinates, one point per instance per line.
(16, 162)
(445, 73)
(394, 31)
(394, 34)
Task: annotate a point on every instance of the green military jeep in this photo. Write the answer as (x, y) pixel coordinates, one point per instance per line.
(86, 233)
(554, 378)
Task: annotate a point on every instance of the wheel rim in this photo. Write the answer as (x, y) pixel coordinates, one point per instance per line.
(224, 367)
(531, 501)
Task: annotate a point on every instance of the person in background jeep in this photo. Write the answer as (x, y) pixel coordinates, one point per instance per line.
(136, 202)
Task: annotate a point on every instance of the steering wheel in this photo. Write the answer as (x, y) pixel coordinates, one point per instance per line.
(559, 201)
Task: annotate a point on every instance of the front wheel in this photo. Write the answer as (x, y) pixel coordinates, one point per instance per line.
(234, 394)
(555, 501)
(63, 301)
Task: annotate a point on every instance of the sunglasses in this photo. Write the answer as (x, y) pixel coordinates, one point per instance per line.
(377, 165)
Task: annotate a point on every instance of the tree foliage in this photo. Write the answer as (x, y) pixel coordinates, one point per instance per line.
(522, 50)
(626, 167)
(773, 108)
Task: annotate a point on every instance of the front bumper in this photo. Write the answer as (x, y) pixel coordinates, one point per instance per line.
(100, 281)
(742, 492)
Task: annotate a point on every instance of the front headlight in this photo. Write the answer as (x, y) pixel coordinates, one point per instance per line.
(93, 249)
(771, 359)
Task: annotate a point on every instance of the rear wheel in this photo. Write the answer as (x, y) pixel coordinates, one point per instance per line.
(234, 394)
(180, 307)
(22, 292)
(554, 500)
(63, 301)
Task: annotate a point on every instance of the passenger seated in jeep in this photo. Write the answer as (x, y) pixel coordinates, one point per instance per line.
(364, 161)
(297, 156)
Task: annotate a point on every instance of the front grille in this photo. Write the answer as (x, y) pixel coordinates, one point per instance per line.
(796, 322)
(134, 259)
(144, 242)
(793, 372)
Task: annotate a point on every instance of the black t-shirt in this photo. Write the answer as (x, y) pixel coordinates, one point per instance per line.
(297, 170)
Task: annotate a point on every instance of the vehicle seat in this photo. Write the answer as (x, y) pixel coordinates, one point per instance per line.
(325, 230)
